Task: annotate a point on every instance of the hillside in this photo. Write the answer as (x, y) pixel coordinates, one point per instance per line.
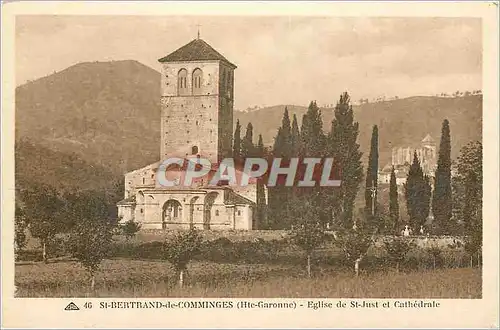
(107, 113)
(402, 122)
(64, 171)
(106, 117)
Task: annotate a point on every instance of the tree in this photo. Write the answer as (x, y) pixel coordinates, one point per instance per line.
(279, 195)
(260, 147)
(247, 147)
(283, 141)
(435, 252)
(181, 249)
(295, 137)
(393, 203)
(470, 176)
(92, 235)
(237, 141)
(473, 245)
(313, 144)
(130, 228)
(417, 193)
(354, 243)
(311, 133)
(261, 192)
(371, 179)
(343, 147)
(43, 211)
(427, 195)
(114, 194)
(442, 199)
(20, 226)
(307, 233)
(458, 202)
(397, 248)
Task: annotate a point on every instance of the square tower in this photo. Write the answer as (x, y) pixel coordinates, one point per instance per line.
(197, 90)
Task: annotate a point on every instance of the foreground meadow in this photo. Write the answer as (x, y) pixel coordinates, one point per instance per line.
(137, 278)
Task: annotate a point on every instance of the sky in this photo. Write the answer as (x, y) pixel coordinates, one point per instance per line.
(281, 60)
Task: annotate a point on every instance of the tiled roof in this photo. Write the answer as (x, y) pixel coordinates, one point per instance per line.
(196, 50)
(127, 201)
(236, 199)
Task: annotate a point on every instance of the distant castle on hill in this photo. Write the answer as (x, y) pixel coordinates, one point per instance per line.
(402, 157)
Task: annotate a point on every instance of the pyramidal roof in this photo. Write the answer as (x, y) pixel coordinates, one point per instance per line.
(428, 139)
(196, 50)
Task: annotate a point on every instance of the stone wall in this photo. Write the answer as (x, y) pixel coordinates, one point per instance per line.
(243, 235)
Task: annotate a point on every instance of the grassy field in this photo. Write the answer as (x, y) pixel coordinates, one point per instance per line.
(136, 278)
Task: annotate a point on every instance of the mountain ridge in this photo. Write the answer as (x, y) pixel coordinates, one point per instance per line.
(108, 114)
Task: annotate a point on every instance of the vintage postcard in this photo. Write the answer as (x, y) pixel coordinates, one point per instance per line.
(237, 164)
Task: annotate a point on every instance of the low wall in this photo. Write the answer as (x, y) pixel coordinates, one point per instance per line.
(233, 235)
(428, 241)
(267, 235)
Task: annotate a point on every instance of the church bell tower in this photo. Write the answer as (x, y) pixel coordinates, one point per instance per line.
(197, 91)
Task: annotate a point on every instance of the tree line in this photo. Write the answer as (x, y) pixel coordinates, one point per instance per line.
(90, 219)
(336, 205)
(310, 211)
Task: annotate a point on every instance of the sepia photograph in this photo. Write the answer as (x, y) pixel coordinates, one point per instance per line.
(249, 157)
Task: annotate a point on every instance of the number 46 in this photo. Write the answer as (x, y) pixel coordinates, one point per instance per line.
(87, 305)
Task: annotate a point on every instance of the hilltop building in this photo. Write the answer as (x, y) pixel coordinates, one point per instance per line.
(402, 157)
(196, 121)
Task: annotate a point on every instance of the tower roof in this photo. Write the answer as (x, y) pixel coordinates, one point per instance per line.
(196, 50)
(428, 139)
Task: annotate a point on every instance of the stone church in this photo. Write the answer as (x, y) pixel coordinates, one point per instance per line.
(196, 121)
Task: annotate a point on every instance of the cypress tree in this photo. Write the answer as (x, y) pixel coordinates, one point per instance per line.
(393, 202)
(237, 141)
(295, 137)
(296, 148)
(279, 196)
(277, 141)
(442, 199)
(411, 189)
(304, 135)
(345, 151)
(426, 203)
(470, 176)
(312, 135)
(261, 193)
(417, 193)
(285, 139)
(247, 147)
(372, 176)
(313, 143)
(274, 195)
(260, 147)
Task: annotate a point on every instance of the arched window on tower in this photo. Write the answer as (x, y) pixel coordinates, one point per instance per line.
(194, 150)
(182, 82)
(197, 81)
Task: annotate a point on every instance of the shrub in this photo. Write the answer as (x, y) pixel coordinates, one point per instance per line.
(57, 247)
(435, 252)
(130, 228)
(355, 245)
(472, 246)
(181, 249)
(397, 248)
(92, 234)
